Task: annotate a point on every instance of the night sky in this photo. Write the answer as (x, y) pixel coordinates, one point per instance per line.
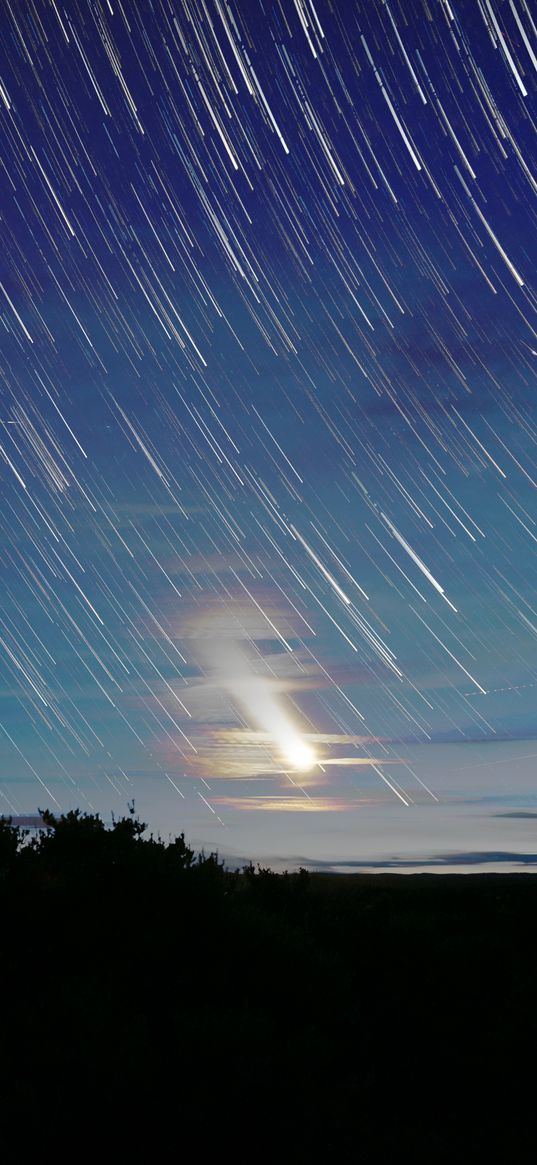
(268, 547)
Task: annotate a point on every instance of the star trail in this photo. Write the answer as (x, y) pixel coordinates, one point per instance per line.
(267, 423)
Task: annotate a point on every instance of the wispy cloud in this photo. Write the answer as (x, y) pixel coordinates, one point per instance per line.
(435, 861)
(275, 803)
(518, 814)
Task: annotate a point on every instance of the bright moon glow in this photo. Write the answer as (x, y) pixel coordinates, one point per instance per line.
(255, 695)
(300, 755)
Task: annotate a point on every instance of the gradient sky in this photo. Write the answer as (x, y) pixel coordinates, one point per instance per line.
(267, 424)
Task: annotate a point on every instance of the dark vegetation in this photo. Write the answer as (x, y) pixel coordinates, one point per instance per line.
(259, 1016)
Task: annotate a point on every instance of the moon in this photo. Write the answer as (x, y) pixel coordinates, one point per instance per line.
(300, 756)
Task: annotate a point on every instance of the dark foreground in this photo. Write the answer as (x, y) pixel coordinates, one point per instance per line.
(259, 1017)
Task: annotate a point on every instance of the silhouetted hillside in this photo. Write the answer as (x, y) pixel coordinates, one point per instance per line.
(261, 1016)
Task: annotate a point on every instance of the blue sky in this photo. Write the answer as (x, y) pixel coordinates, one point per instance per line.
(268, 425)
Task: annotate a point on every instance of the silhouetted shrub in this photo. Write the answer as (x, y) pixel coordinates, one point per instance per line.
(140, 977)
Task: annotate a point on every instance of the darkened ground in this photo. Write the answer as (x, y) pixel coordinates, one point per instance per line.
(256, 1016)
